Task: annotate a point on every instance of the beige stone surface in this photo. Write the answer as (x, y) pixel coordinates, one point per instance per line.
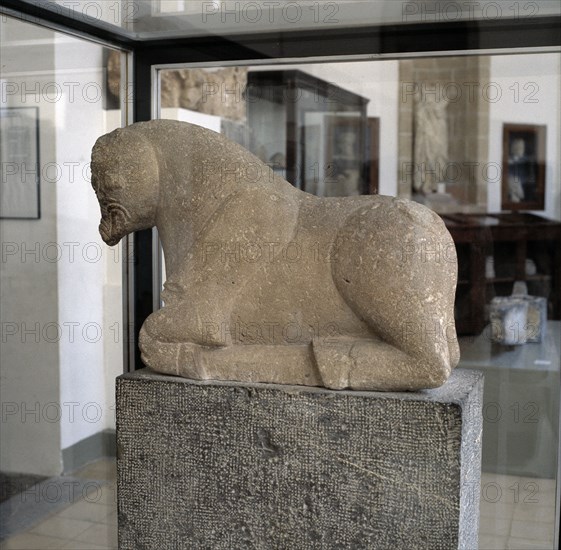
(218, 92)
(212, 91)
(266, 283)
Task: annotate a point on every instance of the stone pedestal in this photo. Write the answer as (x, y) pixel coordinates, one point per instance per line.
(223, 465)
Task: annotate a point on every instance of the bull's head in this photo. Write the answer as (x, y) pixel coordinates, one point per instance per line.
(125, 177)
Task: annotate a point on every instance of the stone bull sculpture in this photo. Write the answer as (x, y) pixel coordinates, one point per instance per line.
(266, 283)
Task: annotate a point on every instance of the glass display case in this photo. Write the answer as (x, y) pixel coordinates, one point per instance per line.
(338, 98)
(309, 130)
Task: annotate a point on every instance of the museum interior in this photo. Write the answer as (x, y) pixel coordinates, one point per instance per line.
(473, 133)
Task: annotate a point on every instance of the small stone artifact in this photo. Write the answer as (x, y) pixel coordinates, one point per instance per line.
(519, 318)
(266, 283)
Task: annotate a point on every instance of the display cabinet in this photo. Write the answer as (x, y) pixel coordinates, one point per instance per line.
(494, 251)
(311, 131)
(156, 38)
(324, 139)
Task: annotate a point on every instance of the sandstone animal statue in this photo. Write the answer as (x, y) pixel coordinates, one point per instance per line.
(267, 283)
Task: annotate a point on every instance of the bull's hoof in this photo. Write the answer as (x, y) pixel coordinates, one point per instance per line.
(334, 362)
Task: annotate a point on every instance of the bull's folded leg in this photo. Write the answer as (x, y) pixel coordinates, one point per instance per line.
(345, 363)
(290, 364)
(375, 365)
(177, 358)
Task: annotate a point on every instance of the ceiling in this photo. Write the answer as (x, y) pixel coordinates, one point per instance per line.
(164, 19)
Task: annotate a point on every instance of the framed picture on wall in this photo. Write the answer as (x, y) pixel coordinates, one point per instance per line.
(523, 170)
(19, 163)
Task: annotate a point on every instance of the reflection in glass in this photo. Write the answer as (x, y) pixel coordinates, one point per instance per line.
(440, 126)
(184, 18)
(61, 287)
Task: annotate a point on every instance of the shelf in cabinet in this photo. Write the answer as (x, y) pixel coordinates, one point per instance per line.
(528, 278)
(494, 280)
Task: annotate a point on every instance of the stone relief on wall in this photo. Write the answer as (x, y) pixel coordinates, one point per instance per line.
(430, 141)
(266, 283)
(217, 92)
(462, 120)
(213, 92)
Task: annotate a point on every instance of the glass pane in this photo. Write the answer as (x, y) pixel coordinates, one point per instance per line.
(61, 290)
(145, 19)
(290, 118)
(476, 139)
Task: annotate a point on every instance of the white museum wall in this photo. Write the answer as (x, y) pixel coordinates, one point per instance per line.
(518, 73)
(83, 286)
(29, 374)
(64, 289)
(212, 122)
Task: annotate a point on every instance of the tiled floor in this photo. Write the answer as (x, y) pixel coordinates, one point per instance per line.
(516, 513)
(90, 523)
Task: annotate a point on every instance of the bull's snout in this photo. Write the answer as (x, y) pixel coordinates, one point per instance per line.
(113, 224)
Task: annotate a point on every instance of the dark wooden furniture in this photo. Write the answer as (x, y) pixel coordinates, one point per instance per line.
(510, 239)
